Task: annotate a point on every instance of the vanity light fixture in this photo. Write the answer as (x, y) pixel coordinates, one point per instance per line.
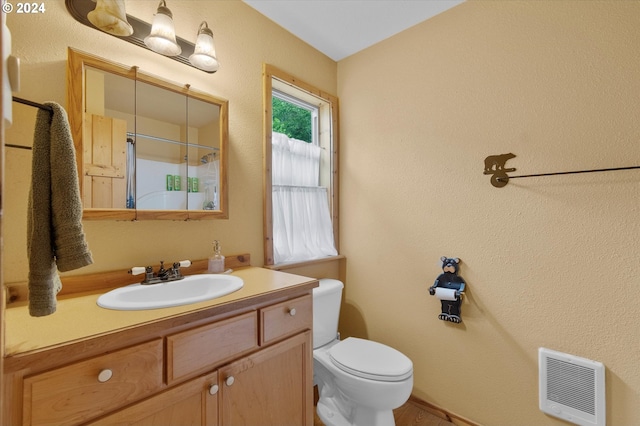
(204, 55)
(162, 38)
(110, 16)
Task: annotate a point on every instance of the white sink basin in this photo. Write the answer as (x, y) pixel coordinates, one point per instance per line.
(191, 289)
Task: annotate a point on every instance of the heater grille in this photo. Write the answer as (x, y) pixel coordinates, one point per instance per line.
(571, 385)
(572, 388)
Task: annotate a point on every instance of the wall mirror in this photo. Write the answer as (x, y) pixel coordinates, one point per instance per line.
(146, 148)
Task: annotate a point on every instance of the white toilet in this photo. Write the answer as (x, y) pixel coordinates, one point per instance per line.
(359, 381)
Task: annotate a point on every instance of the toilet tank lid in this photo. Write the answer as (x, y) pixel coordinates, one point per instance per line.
(371, 360)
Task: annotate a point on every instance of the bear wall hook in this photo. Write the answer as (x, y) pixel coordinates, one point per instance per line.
(449, 287)
(494, 165)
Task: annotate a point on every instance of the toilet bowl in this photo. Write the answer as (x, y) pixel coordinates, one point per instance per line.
(360, 382)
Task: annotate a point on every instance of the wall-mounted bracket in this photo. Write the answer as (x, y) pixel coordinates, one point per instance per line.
(494, 165)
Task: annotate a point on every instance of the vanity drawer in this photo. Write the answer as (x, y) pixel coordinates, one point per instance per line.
(285, 318)
(87, 389)
(201, 349)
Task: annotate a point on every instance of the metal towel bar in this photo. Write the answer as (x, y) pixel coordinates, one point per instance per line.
(495, 165)
(33, 104)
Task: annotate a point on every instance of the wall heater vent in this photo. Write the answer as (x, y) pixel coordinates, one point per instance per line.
(572, 388)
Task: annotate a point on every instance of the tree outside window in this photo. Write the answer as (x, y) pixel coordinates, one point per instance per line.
(292, 120)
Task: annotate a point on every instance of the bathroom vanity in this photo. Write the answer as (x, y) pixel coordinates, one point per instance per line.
(242, 359)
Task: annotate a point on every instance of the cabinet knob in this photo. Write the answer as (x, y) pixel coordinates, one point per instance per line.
(230, 380)
(213, 389)
(292, 312)
(105, 375)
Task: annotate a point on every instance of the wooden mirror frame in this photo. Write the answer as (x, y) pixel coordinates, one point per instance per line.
(76, 106)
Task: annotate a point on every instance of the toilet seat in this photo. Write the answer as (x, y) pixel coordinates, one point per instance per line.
(371, 360)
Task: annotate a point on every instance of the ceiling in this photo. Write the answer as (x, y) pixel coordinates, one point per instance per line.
(340, 28)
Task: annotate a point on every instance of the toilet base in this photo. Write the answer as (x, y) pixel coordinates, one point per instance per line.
(335, 410)
(331, 416)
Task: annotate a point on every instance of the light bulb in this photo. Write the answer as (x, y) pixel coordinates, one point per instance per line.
(163, 34)
(204, 54)
(110, 16)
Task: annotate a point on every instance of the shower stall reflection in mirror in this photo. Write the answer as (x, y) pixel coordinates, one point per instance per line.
(299, 166)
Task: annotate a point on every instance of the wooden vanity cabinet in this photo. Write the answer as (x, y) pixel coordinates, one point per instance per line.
(85, 389)
(193, 403)
(282, 319)
(268, 387)
(194, 351)
(249, 368)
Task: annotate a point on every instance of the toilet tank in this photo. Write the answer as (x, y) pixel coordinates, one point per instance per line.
(326, 311)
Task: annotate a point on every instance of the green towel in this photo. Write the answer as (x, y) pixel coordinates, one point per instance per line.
(55, 238)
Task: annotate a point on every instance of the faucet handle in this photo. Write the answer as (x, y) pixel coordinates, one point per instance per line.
(184, 263)
(162, 273)
(137, 270)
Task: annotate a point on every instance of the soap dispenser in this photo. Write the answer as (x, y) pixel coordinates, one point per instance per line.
(216, 262)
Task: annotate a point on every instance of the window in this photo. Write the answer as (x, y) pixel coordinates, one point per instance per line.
(294, 117)
(300, 163)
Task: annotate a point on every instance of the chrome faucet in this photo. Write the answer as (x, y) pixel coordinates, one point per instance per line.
(163, 275)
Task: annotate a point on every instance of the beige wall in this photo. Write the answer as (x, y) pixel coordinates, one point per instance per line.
(244, 40)
(549, 262)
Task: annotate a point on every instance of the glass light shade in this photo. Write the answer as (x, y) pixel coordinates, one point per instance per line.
(110, 16)
(204, 54)
(163, 34)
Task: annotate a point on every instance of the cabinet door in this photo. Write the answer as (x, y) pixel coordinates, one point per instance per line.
(194, 403)
(271, 387)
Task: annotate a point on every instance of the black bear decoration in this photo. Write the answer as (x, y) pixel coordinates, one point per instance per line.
(450, 280)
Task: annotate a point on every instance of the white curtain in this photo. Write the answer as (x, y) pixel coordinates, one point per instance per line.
(302, 228)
